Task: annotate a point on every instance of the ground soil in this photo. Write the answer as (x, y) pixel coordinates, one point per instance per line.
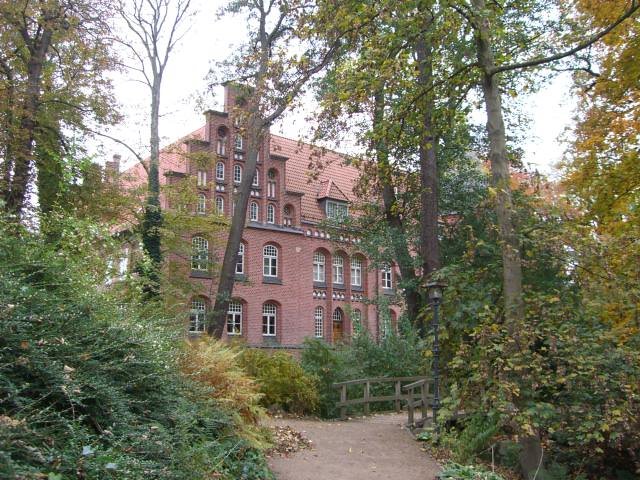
(371, 448)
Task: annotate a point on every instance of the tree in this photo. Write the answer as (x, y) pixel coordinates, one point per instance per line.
(268, 80)
(53, 58)
(155, 27)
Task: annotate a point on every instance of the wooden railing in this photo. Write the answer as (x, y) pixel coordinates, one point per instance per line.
(412, 397)
(422, 402)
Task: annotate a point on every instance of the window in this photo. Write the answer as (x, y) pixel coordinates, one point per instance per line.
(221, 146)
(387, 276)
(234, 319)
(220, 205)
(356, 321)
(356, 272)
(288, 215)
(202, 203)
(254, 212)
(318, 316)
(200, 253)
(197, 316)
(256, 179)
(240, 260)
(202, 178)
(269, 320)
(237, 173)
(338, 269)
(239, 142)
(270, 261)
(271, 214)
(271, 189)
(318, 267)
(337, 211)
(337, 315)
(220, 171)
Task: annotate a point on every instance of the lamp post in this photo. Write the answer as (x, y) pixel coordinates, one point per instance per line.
(435, 291)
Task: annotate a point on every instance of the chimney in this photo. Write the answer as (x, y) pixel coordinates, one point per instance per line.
(112, 168)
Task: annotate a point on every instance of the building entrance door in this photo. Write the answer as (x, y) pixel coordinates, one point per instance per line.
(338, 329)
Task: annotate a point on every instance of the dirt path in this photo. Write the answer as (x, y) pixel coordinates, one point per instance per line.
(371, 448)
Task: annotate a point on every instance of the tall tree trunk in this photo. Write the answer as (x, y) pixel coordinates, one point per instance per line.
(217, 319)
(394, 221)
(429, 245)
(509, 241)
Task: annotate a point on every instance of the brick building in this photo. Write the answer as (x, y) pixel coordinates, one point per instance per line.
(292, 280)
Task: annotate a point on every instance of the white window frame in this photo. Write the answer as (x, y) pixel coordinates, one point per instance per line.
(337, 316)
(319, 262)
(387, 277)
(240, 260)
(202, 178)
(221, 146)
(318, 317)
(271, 213)
(237, 173)
(254, 212)
(200, 254)
(219, 205)
(239, 142)
(256, 179)
(356, 271)
(220, 171)
(234, 318)
(271, 189)
(269, 319)
(336, 210)
(270, 261)
(202, 204)
(197, 315)
(338, 269)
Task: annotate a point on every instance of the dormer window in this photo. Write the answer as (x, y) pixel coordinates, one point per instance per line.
(336, 210)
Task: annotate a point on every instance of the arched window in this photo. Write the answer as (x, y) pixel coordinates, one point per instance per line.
(197, 315)
(202, 203)
(239, 142)
(338, 269)
(287, 213)
(356, 320)
(220, 171)
(240, 260)
(200, 254)
(356, 272)
(234, 318)
(271, 214)
(387, 276)
(221, 145)
(338, 327)
(318, 316)
(256, 179)
(237, 173)
(270, 261)
(254, 210)
(271, 183)
(318, 267)
(269, 311)
(220, 205)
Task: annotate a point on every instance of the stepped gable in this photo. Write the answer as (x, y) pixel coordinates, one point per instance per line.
(317, 173)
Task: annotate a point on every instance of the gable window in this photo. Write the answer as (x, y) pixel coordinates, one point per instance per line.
(256, 179)
(254, 215)
(202, 203)
(338, 269)
(200, 254)
(239, 142)
(270, 261)
(220, 171)
(271, 214)
(336, 210)
(318, 267)
(387, 277)
(202, 178)
(197, 316)
(240, 260)
(318, 316)
(220, 205)
(234, 319)
(356, 272)
(269, 320)
(237, 173)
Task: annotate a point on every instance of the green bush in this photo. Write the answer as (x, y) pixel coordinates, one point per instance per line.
(90, 388)
(283, 383)
(453, 471)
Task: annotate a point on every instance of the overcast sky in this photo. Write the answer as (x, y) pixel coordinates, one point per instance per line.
(212, 39)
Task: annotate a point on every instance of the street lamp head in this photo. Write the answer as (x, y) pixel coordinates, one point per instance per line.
(435, 290)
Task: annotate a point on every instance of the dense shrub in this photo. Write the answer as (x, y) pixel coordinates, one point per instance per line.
(283, 382)
(89, 388)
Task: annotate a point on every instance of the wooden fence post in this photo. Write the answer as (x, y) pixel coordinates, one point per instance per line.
(343, 399)
(410, 408)
(425, 408)
(398, 395)
(367, 390)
